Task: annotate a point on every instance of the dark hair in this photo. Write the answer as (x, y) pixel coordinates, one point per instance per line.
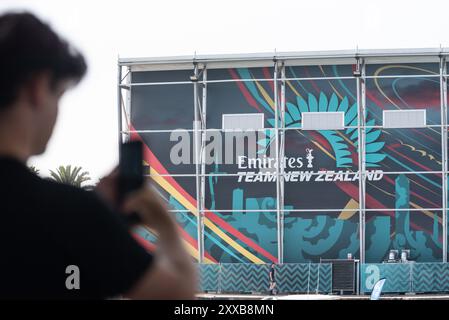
(27, 47)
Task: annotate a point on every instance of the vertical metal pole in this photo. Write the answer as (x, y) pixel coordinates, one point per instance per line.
(129, 102)
(308, 281)
(281, 165)
(363, 162)
(444, 153)
(196, 124)
(361, 150)
(202, 193)
(278, 160)
(220, 279)
(119, 106)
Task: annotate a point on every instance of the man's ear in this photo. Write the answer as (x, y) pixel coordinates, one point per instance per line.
(37, 89)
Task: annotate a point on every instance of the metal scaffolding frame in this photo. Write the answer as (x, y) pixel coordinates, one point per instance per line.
(444, 146)
(199, 66)
(281, 165)
(203, 169)
(279, 107)
(360, 71)
(197, 143)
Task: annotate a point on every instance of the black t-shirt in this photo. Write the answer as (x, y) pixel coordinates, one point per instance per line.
(272, 274)
(46, 227)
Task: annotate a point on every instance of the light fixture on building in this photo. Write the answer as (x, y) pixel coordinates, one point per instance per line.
(405, 254)
(393, 255)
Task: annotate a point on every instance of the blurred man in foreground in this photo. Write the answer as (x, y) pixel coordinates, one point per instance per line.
(47, 229)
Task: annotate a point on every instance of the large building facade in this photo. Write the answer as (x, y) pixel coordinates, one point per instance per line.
(356, 162)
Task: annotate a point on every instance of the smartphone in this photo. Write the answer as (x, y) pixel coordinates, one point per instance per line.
(130, 168)
(130, 172)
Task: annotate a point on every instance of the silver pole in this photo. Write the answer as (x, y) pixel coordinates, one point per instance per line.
(361, 158)
(281, 129)
(203, 167)
(444, 153)
(281, 164)
(196, 157)
(363, 144)
(119, 107)
(287, 79)
(127, 113)
(312, 174)
(276, 126)
(308, 281)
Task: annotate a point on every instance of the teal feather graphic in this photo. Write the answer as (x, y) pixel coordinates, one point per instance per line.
(373, 154)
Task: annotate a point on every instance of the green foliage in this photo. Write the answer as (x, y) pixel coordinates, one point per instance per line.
(68, 175)
(34, 170)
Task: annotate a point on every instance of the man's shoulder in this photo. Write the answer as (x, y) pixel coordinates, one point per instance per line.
(52, 186)
(64, 194)
(23, 188)
(73, 206)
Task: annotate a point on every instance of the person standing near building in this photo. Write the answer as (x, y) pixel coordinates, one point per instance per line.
(272, 279)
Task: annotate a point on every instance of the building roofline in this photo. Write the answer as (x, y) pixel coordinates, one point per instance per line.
(333, 54)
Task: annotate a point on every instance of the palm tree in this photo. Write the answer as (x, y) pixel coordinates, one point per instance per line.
(67, 175)
(34, 170)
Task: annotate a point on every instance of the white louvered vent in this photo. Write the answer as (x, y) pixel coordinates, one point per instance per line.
(243, 121)
(415, 118)
(323, 120)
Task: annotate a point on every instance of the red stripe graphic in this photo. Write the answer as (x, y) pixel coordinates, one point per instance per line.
(154, 162)
(245, 92)
(267, 75)
(412, 161)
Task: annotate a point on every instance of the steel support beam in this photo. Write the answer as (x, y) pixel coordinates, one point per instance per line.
(127, 108)
(281, 162)
(202, 204)
(279, 115)
(444, 153)
(196, 158)
(119, 106)
(276, 143)
(361, 112)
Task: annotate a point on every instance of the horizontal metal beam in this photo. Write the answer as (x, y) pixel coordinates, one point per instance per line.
(339, 211)
(268, 57)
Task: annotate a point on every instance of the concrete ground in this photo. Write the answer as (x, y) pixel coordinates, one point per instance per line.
(217, 296)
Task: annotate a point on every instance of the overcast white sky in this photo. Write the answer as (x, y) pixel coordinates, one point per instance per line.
(86, 133)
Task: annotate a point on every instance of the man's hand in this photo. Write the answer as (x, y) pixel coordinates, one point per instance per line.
(172, 275)
(144, 202)
(149, 206)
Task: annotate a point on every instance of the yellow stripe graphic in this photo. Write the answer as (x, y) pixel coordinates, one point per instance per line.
(181, 199)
